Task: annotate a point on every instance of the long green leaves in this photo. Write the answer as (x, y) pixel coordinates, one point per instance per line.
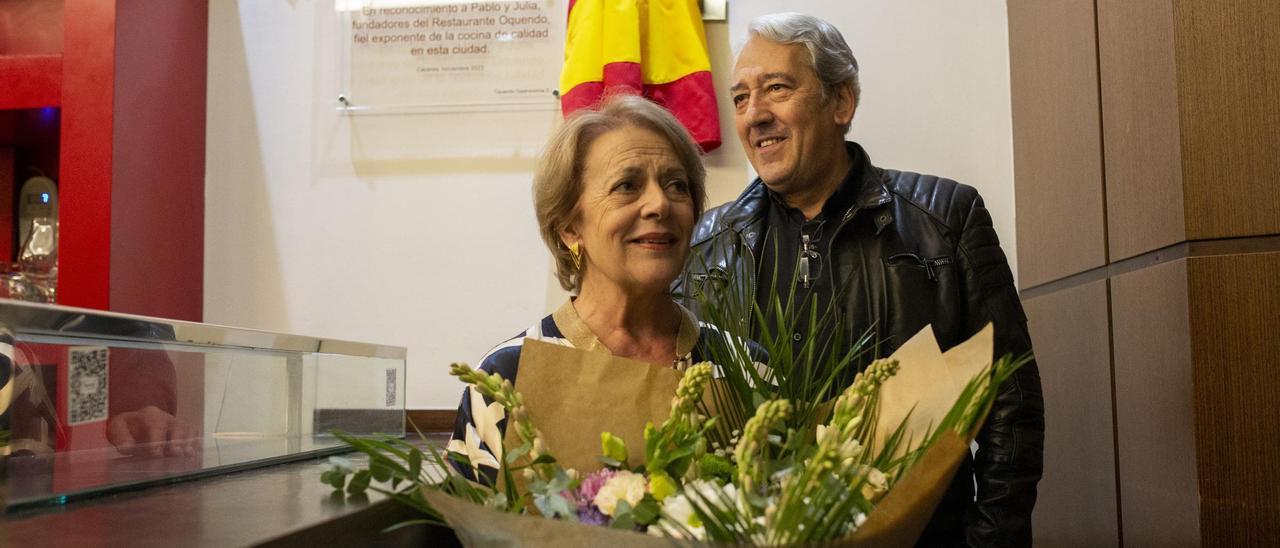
(806, 374)
(782, 453)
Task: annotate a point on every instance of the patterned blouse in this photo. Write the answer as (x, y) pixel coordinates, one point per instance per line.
(481, 423)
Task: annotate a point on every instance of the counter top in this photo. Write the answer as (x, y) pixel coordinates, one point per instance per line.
(280, 505)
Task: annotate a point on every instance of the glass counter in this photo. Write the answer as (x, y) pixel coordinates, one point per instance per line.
(96, 402)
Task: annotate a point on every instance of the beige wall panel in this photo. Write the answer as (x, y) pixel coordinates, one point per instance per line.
(1140, 126)
(1235, 341)
(1057, 149)
(1159, 503)
(1229, 92)
(1077, 502)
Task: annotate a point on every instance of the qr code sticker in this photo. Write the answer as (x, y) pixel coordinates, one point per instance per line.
(391, 388)
(87, 384)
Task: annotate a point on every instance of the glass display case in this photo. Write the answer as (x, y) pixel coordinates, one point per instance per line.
(95, 402)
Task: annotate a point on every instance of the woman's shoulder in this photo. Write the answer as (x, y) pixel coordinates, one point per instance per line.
(711, 336)
(707, 331)
(504, 359)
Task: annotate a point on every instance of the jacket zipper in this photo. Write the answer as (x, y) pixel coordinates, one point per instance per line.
(751, 304)
(806, 249)
(928, 264)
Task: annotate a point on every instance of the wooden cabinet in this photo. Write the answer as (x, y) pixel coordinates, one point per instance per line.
(1077, 504)
(117, 117)
(1154, 309)
(1059, 195)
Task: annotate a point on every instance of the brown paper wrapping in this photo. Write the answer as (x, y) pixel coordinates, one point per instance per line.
(898, 519)
(903, 513)
(928, 383)
(922, 393)
(573, 395)
(480, 527)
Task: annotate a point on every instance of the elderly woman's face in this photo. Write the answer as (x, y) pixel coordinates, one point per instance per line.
(635, 213)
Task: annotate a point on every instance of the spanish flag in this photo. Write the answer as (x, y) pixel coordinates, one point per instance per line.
(654, 48)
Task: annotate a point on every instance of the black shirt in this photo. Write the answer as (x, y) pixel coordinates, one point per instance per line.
(794, 265)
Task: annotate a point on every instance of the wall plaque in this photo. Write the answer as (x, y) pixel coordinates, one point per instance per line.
(448, 56)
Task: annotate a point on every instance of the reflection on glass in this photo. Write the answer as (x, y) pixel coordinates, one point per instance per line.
(90, 414)
(35, 276)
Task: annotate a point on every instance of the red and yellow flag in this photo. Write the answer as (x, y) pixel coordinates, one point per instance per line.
(654, 48)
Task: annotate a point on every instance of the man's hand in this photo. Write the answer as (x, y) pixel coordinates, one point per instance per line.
(152, 432)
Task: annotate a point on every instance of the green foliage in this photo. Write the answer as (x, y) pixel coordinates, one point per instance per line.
(672, 448)
(406, 468)
(614, 450)
(807, 373)
(336, 476)
(792, 460)
(548, 496)
(802, 464)
(644, 513)
(662, 485)
(715, 467)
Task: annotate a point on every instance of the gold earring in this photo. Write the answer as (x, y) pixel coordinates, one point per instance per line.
(575, 253)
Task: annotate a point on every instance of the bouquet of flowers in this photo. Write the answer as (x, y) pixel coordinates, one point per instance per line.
(822, 445)
(789, 472)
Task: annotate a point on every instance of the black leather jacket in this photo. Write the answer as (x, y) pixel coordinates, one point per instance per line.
(915, 250)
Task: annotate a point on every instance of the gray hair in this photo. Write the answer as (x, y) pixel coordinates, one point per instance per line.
(830, 55)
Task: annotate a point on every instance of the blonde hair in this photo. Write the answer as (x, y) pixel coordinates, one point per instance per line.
(557, 182)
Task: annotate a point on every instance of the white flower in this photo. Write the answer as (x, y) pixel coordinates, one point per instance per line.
(676, 509)
(624, 485)
(849, 449)
(715, 496)
(874, 484)
(710, 491)
(846, 449)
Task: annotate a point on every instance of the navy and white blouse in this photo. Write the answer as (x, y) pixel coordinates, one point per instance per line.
(481, 423)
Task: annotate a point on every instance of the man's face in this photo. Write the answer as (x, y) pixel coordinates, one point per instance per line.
(790, 133)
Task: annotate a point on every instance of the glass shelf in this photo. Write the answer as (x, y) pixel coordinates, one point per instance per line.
(99, 402)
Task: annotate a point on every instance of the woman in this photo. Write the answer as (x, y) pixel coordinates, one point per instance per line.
(616, 194)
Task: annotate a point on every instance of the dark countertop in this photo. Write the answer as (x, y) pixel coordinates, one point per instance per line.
(284, 504)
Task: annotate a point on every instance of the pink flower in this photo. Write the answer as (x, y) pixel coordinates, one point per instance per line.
(592, 483)
(587, 511)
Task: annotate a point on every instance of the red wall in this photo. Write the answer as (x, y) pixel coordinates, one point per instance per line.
(84, 190)
(157, 195)
(130, 83)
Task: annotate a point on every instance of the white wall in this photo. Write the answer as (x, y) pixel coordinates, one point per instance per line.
(312, 227)
(307, 234)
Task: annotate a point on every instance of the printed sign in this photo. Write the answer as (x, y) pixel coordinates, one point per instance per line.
(448, 55)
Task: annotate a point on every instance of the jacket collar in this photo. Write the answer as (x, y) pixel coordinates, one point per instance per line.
(873, 192)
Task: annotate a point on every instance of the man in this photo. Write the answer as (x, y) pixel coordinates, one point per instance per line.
(888, 250)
